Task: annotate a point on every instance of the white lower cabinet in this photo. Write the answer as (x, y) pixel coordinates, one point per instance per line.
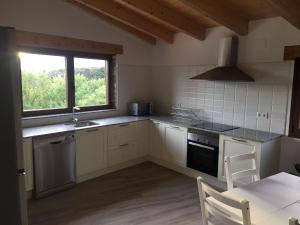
(28, 163)
(91, 150)
(142, 138)
(267, 155)
(175, 145)
(121, 134)
(121, 153)
(157, 133)
(168, 142)
(127, 141)
(101, 147)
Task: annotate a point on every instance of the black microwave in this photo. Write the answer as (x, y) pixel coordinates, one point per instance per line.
(140, 108)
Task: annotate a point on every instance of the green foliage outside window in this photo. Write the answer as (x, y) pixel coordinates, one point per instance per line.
(42, 90)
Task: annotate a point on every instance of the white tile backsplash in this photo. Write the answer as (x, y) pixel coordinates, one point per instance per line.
(234, 103)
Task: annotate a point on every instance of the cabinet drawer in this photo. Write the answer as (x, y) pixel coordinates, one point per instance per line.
(121, 153)
(121, 134)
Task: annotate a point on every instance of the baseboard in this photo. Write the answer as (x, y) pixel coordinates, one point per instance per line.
(214, 181)
(110, 169)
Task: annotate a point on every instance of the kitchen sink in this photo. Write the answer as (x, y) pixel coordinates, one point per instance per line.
(85, 124)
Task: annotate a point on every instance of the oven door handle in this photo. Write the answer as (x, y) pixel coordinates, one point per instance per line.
(201, 146)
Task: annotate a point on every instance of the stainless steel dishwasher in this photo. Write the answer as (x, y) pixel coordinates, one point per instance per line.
(54, 163)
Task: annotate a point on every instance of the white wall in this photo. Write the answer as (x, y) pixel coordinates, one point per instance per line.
(230, 103)
(260, 55)
(59, 17)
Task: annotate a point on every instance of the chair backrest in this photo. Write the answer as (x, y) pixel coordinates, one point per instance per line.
(293, 221)
(215, 206)
(231, 176)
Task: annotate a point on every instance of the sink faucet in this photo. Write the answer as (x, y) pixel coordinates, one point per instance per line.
(74, 119)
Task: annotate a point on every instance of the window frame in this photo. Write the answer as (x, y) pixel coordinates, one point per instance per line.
(294, 130)
(70, 80)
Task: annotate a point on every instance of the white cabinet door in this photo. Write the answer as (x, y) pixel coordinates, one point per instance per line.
(234, 146)
(91, 150)
(28, 163)
(156, 139)
(175, 150)
(122, 153)
(142, 138)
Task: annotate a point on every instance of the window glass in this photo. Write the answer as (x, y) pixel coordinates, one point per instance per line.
(44, 84)
(90, 77)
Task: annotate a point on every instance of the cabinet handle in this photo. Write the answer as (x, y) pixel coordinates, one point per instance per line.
(239, 140)
(176, 128)
(124, 125)
(123, 145)
(202, 146)
(91, 130)
(156, 122)
(56, 142)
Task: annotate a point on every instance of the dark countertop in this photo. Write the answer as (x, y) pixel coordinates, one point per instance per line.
(252, 135)
(61, 128)
(248, 134)
(244, 133)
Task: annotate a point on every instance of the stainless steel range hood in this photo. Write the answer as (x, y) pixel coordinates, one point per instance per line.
(226, 69)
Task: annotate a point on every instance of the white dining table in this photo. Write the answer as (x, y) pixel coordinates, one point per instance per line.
(272, 200)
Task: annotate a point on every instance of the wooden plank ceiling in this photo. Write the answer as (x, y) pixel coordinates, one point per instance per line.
(150, 20)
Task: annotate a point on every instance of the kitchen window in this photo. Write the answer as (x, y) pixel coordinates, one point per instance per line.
(54, 82)
(295, 107)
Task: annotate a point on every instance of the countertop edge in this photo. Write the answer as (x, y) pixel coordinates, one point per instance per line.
(32, 132)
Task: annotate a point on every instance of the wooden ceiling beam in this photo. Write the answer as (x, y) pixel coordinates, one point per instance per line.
(131, 18)
(288, 9)
(291, 52)
(141, 35)
(221, 13)
(168, 16)
(38, 40)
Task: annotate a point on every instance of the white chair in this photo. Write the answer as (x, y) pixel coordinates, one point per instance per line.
(217, 208)
(231, 176)
(293, 221)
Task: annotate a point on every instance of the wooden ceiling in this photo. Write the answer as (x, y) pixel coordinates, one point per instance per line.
(150, 20)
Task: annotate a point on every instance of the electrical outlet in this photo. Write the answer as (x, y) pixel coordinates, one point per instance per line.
(258, 115)
(263, 115)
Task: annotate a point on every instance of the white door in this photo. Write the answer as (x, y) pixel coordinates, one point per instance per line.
(90, 150)
(229, 147)
(156, 139)
(175, 150)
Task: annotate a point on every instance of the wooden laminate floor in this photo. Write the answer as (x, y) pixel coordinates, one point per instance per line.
(145, 194)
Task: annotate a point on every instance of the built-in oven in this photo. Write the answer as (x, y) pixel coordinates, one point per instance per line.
(203, 151)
